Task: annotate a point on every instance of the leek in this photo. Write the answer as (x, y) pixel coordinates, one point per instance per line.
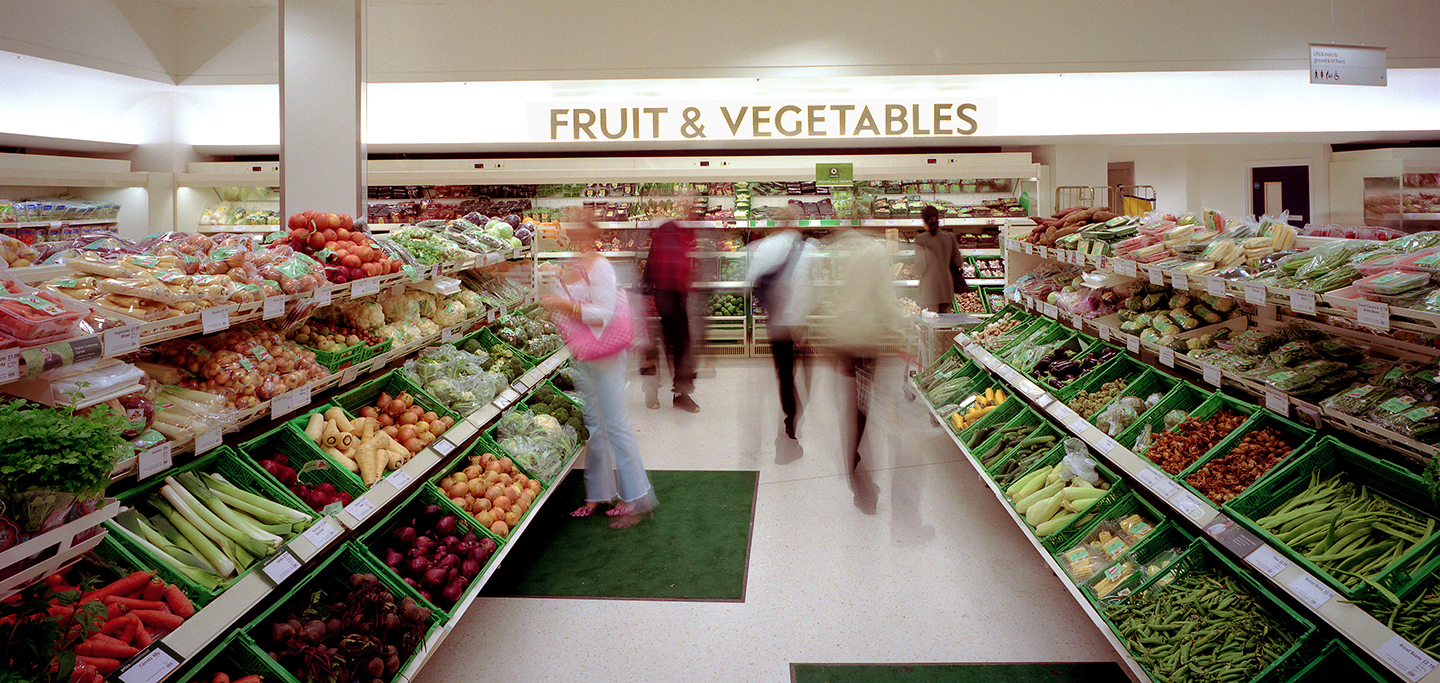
(132, 525)
(173, 535)
(182, 515)
(256, 547)
(208, 549)
(239, 521)
(298, 520)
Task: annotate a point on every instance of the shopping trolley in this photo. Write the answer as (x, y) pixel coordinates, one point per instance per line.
(935, 334)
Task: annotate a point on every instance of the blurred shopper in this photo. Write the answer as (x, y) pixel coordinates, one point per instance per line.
(866, 325)
(668, 279)
(594, 316)
(780, 279)
(938, 258)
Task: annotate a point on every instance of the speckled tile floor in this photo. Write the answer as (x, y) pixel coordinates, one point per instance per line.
(938, 574)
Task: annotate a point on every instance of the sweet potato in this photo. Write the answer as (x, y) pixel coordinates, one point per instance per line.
(1066, 212)
(1103, 215)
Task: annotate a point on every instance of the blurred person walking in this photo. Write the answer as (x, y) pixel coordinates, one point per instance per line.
(595, 318)
(780, 280)
(939, 261)
(668, 280)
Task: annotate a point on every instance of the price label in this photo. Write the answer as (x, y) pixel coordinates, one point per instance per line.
(9, 365)
(435, 272)
(1310, 591)
(1051, 311)
(289, 402)
(207, 440)
(1151, 476)
(364, 287)
(1277, 401)
(1029, 248)
(281, 566)
(1077, 320)
(321, 533)
(274, 307)
(1188, 505)
(1124, 267)
(1180, 281)
(1104, 331)
(1214, 286)
(1107, 445)
(443, 446)
(1165, 487)
(1157, 277)
(1044, 252)
(152, 667)
(1132, 343)
(447, 335)
(1410, 661)
(215, 319)
(1374, 314)
(321, 296)
(360, 508)
(1254, 293)
(119, 341)
(1167, 356)
(348, 376)
(1302, 301)
(154, 461)
(399, 479)
(490, 316)
(1010, 245)
(1269, 562)
(1212, 374)
(1029, 302)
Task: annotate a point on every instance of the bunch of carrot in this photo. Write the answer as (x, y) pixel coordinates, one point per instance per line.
(139, 608)
(222, 677)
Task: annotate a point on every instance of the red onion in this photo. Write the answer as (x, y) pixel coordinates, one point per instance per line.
(434, 577)
(446, 526)
(404, 535)
(469, 568)
(393, 559)
(454, 589)
(418, 565)
(448, 561)
(469, 537)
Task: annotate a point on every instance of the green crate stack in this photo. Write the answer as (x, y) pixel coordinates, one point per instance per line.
(290, 439)
(368, 352)
(1141, 381)
(335, 361)
(1041, 427)
(392, 383)
(124, 561)
(374, 540)
(1065, 535)
(488, 441)
(1184, 397)
(1325, 458)
(1148, 551)
(985, 293)
(1298, 436)
(237, 469)
(1202, 556)
(237, 656)
(332, 576)
(1118, 360)
(1338, 662)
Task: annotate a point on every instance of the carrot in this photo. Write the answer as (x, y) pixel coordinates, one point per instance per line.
(97, 679)
(115, 610)
(83, 671)
(142, 634)
(220, 677)
(134, 604)
(154, 589)
(114, 625)
(103, 665)
(179, 602)
(96, 647)
(119, 586)
(61, 611)
(126, 635)
(252, 678)
(157, 618)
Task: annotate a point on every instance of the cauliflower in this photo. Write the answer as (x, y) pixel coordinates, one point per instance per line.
(400, 308)
(427, 327)
(364, 315)
(470, 300)
(450, 313)
(548, 424)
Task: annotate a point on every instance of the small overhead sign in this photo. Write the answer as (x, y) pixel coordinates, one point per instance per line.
(1347, 65)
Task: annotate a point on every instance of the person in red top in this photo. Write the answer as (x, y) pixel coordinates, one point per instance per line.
(667, 279)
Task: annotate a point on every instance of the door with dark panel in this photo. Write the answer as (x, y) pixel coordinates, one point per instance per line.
(1281, 188)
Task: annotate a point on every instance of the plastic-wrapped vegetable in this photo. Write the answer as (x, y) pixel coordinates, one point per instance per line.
(1287, 379)
(1154, 400)
(1292, 353)
(1175, 417)
(1184, 320)
(1332, 255)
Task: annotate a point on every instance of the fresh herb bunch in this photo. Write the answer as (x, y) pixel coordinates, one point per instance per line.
(58, 449)
(32, 638)
(1431, 478)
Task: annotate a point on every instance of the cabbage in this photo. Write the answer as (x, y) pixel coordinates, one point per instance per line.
(548, 424)
(500, 230)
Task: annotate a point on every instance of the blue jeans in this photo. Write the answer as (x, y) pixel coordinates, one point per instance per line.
(612, 465)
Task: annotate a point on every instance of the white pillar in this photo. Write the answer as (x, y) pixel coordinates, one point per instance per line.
(322, 106)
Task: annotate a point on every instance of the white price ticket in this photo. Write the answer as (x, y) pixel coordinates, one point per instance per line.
(364, 287)
(1269, 562)
(1132, 343)
(447, 335)
(1104, 331)
(1180, 281)
(321, 296)
(1214, 286)
(1124, 267)
(1212, 374)
(215, 319)
(1302, 301)
(1410, 661)
(360, 508)
(1151, 476)
(443, 446)
(152, 667)
(1157, 277)
(1077, 320)
(1374, 314)
(154, 461)
(1167, 356)
(1311, 591)
(1107, 445)
(1029, 248)
(1165, 487)
(321, 533)
(121, 340)
(274, 307)
(399, 479)
(1254, 293)
(1011, 245)
(9, 365)
(207, 440)
(1044, 252)
(348, 376)
(1188, 505)
(281, 566)
(1277, 401)
(1051, 311)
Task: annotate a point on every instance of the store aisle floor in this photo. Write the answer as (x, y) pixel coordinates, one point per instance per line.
(938, 574)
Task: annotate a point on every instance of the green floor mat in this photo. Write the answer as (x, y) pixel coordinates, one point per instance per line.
(696, 547)
(1085, 672)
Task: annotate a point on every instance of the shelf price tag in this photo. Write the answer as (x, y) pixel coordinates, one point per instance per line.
(321, 533)
(1124, 267)
(274, 307)
(154, 461)
(322, 296)
(1214, 286)
(1254, 293)
(1374, 314)
(443, 446)
(1107, 445)
(1180, 280)
(1165, 487)
(1029, 248)
(1409, 660)
(1044, 252)
(1212, 374)
(1167, 356)
(281, 566)
(118, 341)
(365, 287)
(1302, 301)
(1152, 477)
(152, 667)
(348, 376)
(1277, 401)
(1269, 562)
(361, 508)
(207, 440)
(399, 479)
(1104, 332)
(1157, 277)
(289, 402)
(447, 335)
(215, 319)
(1188, 505)
(1051, 311)
(1011, 245)
(1132, 343)
(9, 365)
(1311, 591)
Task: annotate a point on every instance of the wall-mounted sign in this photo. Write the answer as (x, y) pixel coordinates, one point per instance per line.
(833, 174)
(1347, 64)
(760, 120)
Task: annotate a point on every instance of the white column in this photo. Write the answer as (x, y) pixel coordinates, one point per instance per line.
(322, 106)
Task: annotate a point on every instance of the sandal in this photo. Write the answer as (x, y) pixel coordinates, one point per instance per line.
(588, 509)
(627, 515)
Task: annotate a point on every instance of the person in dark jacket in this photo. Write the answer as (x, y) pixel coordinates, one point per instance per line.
(668, 278)
(935, 252)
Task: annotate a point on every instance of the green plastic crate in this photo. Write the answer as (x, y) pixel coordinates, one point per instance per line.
(1030, 334)
(1048, 334)
(124, 560)
(1167, 536)
(290, 439)
(1120, 366)
(977, 380)
(997, 416)
(1338, 662)
(489, 337)
(1183, 400)
(484, 443)
(1201, 555)
(332, 576)
(335, 361)
(1143, 383)
(1113, 364)
(1326, 457)
(1120, 507)
(237, 655)
(1064, 537)
(1298, 435)
(375, 540)
(369, 352)
(237, 469)
(392, 383)
(488, 441)
(1026, 418)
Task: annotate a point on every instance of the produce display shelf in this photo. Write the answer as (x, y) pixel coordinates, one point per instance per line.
(263, 228)
(14, 225)
(987, 221)
(1135, 670)
(62, 540)
(1361, 629)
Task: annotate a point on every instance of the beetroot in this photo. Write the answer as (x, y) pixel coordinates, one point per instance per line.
(434, 577)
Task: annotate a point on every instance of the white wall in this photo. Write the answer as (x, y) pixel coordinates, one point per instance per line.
(131, 37)
(1189, 178)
